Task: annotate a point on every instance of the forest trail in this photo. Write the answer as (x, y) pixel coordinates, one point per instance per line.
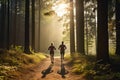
(47, 71)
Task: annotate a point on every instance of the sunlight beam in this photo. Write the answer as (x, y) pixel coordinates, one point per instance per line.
(60, 9)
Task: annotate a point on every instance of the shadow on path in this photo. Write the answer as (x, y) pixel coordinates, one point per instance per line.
(47, 71)
(63, 71)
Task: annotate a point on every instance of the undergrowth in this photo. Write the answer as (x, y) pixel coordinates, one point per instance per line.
(88, 66)
(12, 60)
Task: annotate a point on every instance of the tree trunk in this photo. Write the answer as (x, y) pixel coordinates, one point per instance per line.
(2, 26)
(33, 25)
(80, 26)
(10, 23)
(14, 23)
(26, 46)
(39, 26)
(118, 27)
(72, 35)
(102, 31)
(8, 40)
(11, 16)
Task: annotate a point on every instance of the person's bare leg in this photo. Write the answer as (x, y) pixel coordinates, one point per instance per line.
(62, 57)
(52, 58)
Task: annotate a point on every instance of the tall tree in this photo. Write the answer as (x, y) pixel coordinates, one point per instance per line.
(14, 23)
(117, 27)
(27, 40)
(10, 23)
(39, 25)
(102, 31)
(8, 13)
(72, 37)
(2, 26)
(33, 25)
(80, 26)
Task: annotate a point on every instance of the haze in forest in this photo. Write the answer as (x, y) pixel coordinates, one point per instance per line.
(52, 28)
(51, 32)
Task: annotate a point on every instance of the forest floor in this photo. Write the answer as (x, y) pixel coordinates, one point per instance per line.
(47, 71)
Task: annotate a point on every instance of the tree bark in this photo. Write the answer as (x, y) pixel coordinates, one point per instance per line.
(14, 23)
(39, 26)
(102, 31)
(72, 35)
(2, 26)
(26, 46)
(8, 31)
(33, 25)
(80, 26)
(118, 27)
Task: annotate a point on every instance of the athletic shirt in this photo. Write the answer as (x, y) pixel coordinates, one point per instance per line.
(51, 48)
(62, 47)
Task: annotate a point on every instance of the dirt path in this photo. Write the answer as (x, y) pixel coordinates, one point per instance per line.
(47, 71)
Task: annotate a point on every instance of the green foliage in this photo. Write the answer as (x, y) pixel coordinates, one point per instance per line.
(4, 71)
(17, 48)
(82, 63)
(92, 70)
(1, 77)
(13, 59)
(115, 59)
(111, 76)
(79, 68)
(16, 58)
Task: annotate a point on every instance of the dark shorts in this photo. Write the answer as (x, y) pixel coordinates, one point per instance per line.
(62, 52)
(52, 53)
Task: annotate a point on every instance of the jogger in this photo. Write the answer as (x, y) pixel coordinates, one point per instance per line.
(52, 48)
(62, 49)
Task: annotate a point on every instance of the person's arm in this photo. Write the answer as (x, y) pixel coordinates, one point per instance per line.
(65, 47)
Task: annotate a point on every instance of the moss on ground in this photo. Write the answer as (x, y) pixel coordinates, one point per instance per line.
(12, 60)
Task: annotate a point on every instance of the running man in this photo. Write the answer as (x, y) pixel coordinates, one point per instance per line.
(62, 49)
(52, 48)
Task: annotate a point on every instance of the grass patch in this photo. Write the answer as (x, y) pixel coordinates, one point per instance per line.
(12, 60)
(87, 65)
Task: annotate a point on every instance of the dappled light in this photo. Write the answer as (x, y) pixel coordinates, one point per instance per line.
(60, 9)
